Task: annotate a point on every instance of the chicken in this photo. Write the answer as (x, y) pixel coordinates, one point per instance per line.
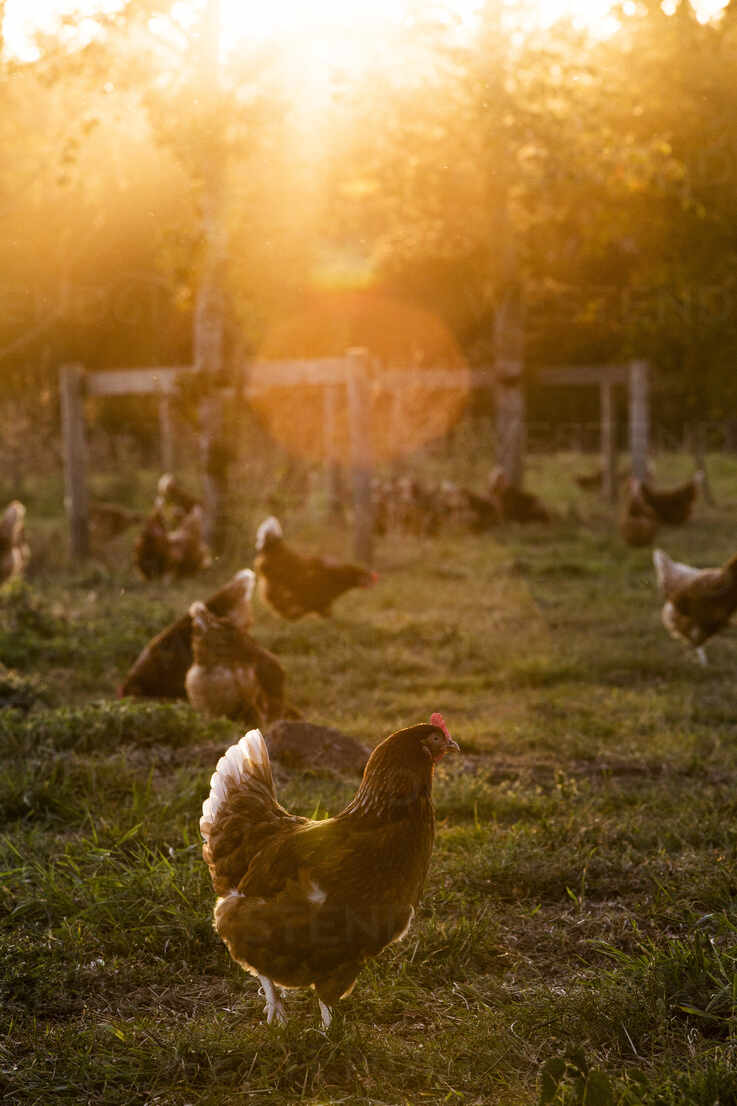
(403, 503)
(513, 504)
(293, 584)
(160, 670)
(699, 602)
(672, 507)
(637, 522)
(471, 510)
(231, 674)
(306, 903)
(172, 493)
(14, 551)
(178, 552)
(188, 551)
(152, 546)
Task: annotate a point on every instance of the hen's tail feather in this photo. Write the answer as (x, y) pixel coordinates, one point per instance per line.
(247, 580)
(248, 758)
(241, 814)
(671, 574)
(269, 528)
(662, 562)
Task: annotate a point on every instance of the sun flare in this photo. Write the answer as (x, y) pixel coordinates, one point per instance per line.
(322, 24)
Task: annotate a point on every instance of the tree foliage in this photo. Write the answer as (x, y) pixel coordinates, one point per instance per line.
(599, 172)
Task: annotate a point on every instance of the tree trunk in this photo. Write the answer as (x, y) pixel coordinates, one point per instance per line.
(511, 427)
(209, 305)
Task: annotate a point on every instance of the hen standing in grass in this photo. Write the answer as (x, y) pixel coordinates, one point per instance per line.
(293, 584)
(171, 492)
(152, 546)
(188, 550)
(699, 602)
(231, 674)
(305, 903)
(672, 507)
(178, 552)
(513, 504)
(160, 669)
(638, 524)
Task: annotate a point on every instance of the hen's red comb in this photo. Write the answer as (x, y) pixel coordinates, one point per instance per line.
(437, 719)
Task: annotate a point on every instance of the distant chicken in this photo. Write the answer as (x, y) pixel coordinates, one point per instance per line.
(699, 602)
(673, 507)
(170, 491)
(160, 670)
(513, 504)
(188, 550)
(473, 511)
(231, 674)
(152, 546)
(306, 903)
(178, 552)
(108, 520)
(14, 551)
(293, 584)
(403, 503)
(638, 523)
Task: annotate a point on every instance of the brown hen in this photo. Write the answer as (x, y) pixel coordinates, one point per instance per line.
(305, 903)
(699, 602)
(293, 584)
(231, 674)
(160, 669)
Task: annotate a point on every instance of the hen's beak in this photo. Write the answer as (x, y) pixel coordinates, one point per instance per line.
(451, 744)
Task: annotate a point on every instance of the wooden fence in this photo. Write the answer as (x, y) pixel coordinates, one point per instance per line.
(356, 373)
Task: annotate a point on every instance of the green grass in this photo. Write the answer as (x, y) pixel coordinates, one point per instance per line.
(577, 940)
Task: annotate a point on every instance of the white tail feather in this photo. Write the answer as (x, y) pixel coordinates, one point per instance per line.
(269, 527)
(671, 574)
(247, 578)
(165, 483)
(249, 757)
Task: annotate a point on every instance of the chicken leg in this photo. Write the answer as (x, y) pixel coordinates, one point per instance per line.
(326, 1014)
(274, 1008)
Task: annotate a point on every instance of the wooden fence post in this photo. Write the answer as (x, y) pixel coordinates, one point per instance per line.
(509, 346)
(608, 442)
(71, 384)
(214, 467)
(511, 429)
(357, 364)
(639, 418)
(166, 436)
(332, 466)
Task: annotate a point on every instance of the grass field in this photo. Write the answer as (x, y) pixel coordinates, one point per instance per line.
(577, 940)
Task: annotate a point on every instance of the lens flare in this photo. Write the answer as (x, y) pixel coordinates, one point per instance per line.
(417, 382)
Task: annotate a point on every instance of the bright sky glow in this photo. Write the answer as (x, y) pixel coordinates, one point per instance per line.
(334, 18)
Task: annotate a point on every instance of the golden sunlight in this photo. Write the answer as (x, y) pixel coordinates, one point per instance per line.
(327, 22)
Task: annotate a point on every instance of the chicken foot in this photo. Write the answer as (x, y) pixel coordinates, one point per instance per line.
(274, 1008)
(326, 1014)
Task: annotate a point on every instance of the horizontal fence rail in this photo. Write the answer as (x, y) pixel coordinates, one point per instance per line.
(361, 379)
